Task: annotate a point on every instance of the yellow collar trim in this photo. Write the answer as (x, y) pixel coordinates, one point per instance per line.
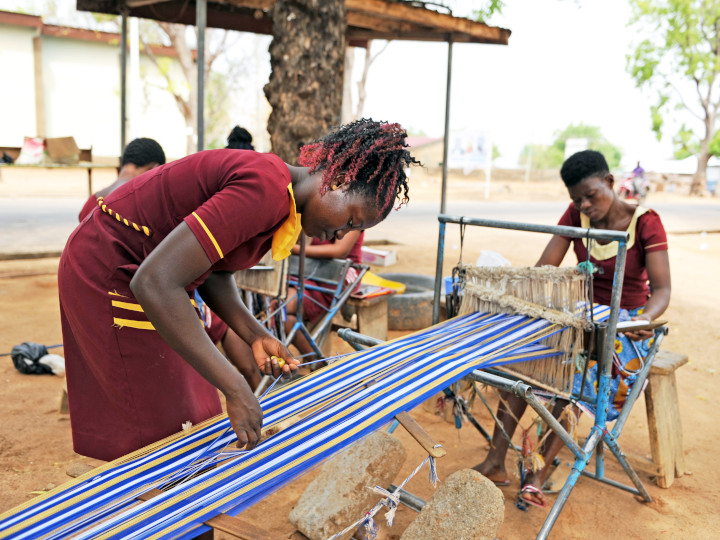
(603, 252)
(286, 236)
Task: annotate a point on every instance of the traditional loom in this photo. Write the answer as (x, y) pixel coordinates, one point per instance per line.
(171, 489)
(557, 295)
(176, 487)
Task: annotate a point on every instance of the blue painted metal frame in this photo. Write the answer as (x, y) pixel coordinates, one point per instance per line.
(599, 433)
(340, 291)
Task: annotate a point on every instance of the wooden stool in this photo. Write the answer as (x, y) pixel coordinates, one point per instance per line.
(369, 316)
(664, 423)
(663, 414)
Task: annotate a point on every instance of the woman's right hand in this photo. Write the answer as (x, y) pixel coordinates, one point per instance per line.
(246, 417)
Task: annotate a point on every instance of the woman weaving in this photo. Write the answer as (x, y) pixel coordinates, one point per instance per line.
(139, 364)
(645, 296)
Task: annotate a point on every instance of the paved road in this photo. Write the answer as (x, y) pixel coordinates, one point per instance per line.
(32, 225)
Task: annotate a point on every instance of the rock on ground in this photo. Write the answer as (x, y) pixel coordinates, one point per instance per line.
(339, 495)
(467, 506)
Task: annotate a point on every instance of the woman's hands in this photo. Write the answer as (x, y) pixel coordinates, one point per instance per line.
(272, 357)
(640, 335)
(245, 416)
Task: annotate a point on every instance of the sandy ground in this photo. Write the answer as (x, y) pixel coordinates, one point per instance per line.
(35, 445)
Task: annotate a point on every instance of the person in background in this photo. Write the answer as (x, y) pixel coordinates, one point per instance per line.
(139, 156)
(240, 139)
(315, 303)
(139, 362)
(645, 296)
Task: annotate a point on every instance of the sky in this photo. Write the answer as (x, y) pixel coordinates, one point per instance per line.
(565, 63)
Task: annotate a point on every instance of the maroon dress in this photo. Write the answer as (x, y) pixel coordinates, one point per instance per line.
(126, 386)
(648, 236)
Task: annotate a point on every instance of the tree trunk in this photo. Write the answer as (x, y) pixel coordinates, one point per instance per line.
(700, 179)
(305, 88)
(347, 101)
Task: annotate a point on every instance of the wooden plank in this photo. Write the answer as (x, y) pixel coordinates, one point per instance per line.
(420, 435)
(238, 528)
(361, 20)
(666, 362)
(426, 17)
(234, 526)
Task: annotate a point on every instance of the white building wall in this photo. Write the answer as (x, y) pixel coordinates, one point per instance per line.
(82, 99)
(81, 92)
(17, 85)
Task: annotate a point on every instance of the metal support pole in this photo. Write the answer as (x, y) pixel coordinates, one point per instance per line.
(606, 360)
(408, 499)
(562, 497)
(123, 78)
(561, 230)
(446, 138)
(438, 274)
(524, 391)
(353, 337)
(201, 23)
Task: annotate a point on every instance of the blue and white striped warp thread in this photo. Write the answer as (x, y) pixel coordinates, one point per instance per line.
(349, 399)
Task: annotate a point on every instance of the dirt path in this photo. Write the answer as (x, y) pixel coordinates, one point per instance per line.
(35, 446)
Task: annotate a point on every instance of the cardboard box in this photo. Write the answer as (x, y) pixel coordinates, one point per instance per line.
(378, 257)
(62, 150)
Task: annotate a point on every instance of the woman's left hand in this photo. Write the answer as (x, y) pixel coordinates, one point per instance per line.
(272, 357)
(640, 335)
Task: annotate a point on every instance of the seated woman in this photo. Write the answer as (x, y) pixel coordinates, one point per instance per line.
(645, 296)
(316, 303)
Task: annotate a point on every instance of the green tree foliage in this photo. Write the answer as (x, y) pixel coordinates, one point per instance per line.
(678, 60)
(552, 157)
(541, 156)
(487, 10)
(715, 144)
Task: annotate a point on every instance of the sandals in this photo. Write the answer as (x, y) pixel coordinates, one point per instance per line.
(534, 490)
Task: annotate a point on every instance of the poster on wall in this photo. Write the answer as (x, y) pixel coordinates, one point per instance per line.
(469, 150)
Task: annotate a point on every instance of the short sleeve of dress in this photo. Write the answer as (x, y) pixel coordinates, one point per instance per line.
(651, 232)
(251, 198)
(571, 218)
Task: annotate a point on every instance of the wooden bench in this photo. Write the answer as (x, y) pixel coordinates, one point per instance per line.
(664, 423)
(84, 163)
(14, 152)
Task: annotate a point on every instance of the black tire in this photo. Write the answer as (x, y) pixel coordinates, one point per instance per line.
(411, 310)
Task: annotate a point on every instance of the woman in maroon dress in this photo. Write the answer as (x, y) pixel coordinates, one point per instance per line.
(139, 363)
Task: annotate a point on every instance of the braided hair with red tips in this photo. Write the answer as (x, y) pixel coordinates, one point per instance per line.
(369, 156)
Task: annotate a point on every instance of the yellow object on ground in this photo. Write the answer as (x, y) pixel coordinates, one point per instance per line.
(371, 278)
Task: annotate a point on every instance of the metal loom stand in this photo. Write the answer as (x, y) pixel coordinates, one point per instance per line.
(599, 433)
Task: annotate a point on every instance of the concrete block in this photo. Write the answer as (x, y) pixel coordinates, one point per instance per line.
(338, 496)
(467, 506)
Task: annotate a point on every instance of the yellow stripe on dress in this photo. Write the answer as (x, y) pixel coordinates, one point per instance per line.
(129, 323)
(210, 236)
(126, 221)
(130, 306)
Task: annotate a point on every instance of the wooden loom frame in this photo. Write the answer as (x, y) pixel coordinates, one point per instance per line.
(600, 433)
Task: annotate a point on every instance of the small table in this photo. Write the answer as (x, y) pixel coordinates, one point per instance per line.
(80, 165)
